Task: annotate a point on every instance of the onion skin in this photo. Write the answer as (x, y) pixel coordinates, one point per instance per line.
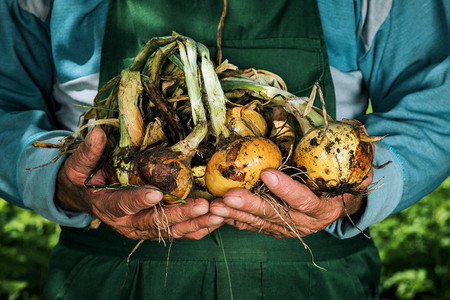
(240, 120)
(167, 170)
(282, 135)
(335, 158)
(238, 164)
(130, 87)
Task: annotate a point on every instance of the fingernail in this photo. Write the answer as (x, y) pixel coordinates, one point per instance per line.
(233, 201)
(221, 211)
(199, 210)
(153, 197)
(270, 179)
(215, 220)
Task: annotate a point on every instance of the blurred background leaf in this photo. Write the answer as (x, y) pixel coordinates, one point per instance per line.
(414, 247)
(26, 240)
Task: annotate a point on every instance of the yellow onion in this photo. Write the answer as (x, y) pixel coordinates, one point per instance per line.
(168, 170)
(336, 158)
(246, 121)
(240, 160)
(239, 164)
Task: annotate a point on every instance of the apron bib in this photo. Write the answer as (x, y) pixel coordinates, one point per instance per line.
(284, 37)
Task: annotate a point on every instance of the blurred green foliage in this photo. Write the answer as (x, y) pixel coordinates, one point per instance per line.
(414, 246)
(25, 243)
(415, 249)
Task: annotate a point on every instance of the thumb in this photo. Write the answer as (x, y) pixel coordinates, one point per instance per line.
(120, 203)
(86, 157)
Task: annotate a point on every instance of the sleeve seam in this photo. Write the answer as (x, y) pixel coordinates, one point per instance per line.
(396, 155)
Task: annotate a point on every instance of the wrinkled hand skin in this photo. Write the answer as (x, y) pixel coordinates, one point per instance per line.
(310, 213)
(133, 213)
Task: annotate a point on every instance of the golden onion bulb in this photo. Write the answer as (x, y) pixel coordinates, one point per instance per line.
(335, 158)
(246, 122)
(239, 164)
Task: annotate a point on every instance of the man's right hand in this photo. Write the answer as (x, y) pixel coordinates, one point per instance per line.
(131, 212)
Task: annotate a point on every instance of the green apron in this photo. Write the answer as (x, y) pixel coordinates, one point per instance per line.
(284, 37)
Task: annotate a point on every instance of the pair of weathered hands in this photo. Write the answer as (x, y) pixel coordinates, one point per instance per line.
(130, 211)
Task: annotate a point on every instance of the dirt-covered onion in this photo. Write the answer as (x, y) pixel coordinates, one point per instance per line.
(239, 164)
(336, 158)
(168, 170)
(239, 160)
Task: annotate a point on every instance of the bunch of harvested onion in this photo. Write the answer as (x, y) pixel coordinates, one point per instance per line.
(333, 157)
(189, 128)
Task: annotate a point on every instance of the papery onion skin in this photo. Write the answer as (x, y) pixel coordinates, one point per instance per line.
(238, 124)
(239, 164)
(283, 135)
(167, 170)
(334, 158)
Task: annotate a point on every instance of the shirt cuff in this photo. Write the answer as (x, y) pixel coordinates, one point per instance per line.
(382, 200)
(37, 187)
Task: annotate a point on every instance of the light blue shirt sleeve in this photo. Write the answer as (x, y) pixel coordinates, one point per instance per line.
(405, 66)
(26, 110)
